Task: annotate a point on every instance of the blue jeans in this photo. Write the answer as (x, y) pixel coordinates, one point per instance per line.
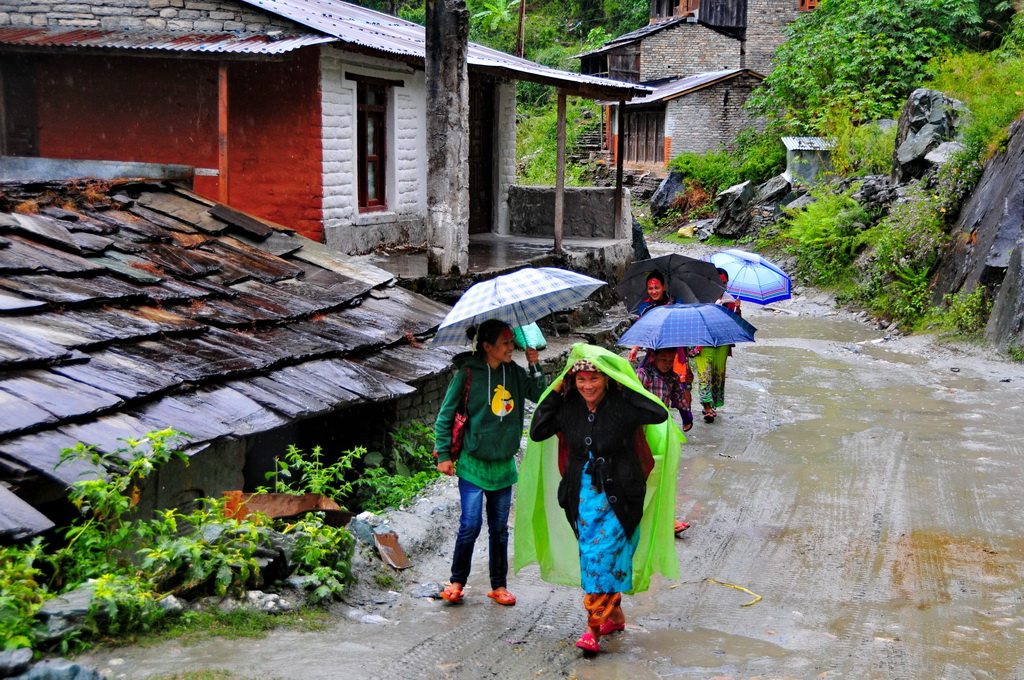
(498, 505)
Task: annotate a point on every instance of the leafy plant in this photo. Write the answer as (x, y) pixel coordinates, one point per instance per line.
(827, 236)
(324, 553)
(391, 481)
(21, 593)
(967, 313)
(298, 473)
(865, 56)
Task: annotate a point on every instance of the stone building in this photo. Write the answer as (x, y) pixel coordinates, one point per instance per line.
(703, 61)
(312, 120)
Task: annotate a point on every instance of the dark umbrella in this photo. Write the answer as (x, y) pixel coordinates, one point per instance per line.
(688, 280)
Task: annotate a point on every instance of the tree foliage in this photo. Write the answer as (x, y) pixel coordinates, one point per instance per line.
(864, 56)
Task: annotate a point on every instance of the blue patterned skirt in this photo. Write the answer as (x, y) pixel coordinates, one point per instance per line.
(606, 554)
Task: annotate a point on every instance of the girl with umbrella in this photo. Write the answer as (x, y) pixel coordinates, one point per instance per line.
(493, 389)
(657, 295)
(709, 362)
(605, 450)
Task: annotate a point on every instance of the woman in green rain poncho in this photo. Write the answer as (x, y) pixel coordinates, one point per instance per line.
(604, 450)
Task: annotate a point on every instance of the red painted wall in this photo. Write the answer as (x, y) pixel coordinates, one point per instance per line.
(165, 111)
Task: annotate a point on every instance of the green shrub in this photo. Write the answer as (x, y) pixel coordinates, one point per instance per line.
(909, 242)
(860, 149)
(389, 482)
(300, 473)
(324, 553)
(712, 171)
(21, 593)
(827, 236)
(967, 313)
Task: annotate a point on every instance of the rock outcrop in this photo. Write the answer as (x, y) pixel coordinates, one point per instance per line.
(929, 120)
(986, 242)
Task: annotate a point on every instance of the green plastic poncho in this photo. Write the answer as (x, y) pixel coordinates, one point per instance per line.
(542, 533)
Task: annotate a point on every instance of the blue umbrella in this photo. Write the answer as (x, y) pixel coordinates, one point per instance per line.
(518, 299)
(752, 277)
(706, 325)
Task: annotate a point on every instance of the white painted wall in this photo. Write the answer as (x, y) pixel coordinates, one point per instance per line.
(404, 221)
(504, 153)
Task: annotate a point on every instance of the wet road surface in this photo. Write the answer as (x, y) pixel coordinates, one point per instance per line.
(869, 491)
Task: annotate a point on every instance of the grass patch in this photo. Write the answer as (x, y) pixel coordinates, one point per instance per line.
(191, 628)
(200, 675)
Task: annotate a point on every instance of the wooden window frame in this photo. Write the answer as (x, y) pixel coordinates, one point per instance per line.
(365, 85)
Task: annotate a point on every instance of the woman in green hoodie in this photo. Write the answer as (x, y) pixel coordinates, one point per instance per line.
(486, 468)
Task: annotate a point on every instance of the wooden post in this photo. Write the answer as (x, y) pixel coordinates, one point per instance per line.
(223, 194)
(619, 148)
(560, 175)
(520, 43)
(447, 76)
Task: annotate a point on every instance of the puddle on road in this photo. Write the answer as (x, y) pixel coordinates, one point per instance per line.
(678, 653)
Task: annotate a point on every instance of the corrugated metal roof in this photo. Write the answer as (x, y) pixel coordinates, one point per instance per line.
(240, 43)
(678, 88)
(378, 31)
(639, 33)
(808, 144)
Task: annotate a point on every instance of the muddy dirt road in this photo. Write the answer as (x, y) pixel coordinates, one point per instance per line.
(868, 490)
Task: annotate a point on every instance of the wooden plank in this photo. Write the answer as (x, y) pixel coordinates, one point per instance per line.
(278, 243)
(322, 256)
(149, 217)
(196, 359)
(408, 363)
(286, 399)
(305, 378)
(17, 349)
(42, 451)
(370, 384)
(197, 424)
(122, 372)
(38, 228)
(128, 267)
(12, 301)
(107, 432)
(89, 224)
(285, 298)
(247, 223)
(89, 242)
(18, 519)
(96, 289)
(179, 206)
(343, 333)
(244, 310)
(21, 414)
(171, 291)
(297, 345)
(190, 264)
(54, 328)
(23, 256)
(57, 394)
(260, 265)
(243, 415)
(333, 281)
(191, 240)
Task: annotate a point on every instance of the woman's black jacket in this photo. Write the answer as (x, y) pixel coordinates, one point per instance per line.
(611, 432)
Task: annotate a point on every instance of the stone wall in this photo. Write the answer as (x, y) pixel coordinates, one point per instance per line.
(687, 49)
(162, 15)
(404, 221)
(588, 213)
(766, 30)
(707, 118)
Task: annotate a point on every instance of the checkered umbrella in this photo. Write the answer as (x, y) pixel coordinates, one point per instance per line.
(706, 325)
(752, 277)
(518, 299)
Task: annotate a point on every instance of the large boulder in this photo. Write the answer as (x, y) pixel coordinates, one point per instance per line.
(743, 209)
(928, 119)
(667, 195)
(985, 239)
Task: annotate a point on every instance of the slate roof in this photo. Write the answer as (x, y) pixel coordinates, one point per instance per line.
(136, 307)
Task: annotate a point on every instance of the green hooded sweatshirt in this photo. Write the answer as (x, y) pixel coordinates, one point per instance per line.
(543, 535)
(496, 412)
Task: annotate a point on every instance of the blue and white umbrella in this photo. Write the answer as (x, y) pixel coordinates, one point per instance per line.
(707, 325)
(518, 299)
(752, 277)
